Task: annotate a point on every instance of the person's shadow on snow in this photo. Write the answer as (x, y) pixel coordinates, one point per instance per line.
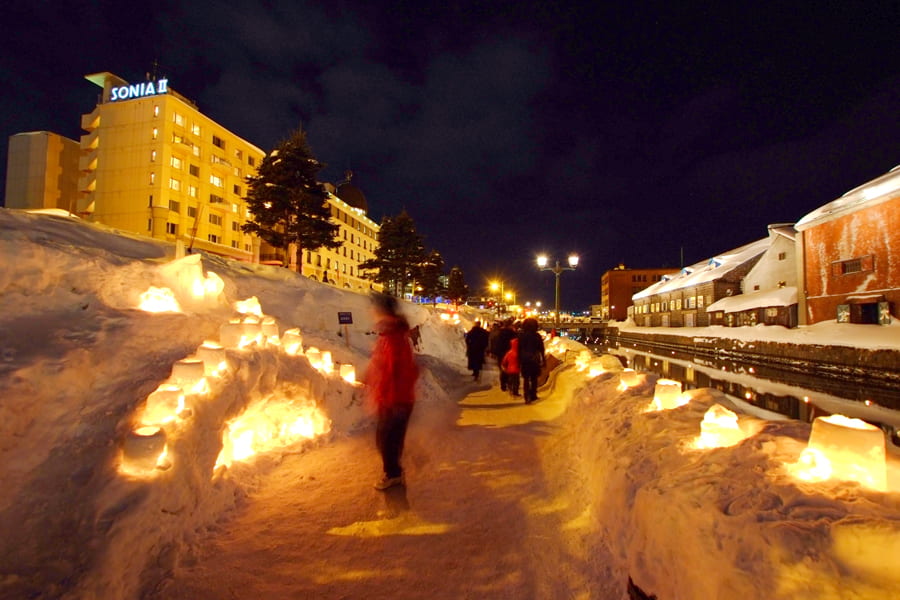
(395, 500)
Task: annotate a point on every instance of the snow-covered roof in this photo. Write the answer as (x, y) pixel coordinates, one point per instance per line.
(706, 270)
(873, 192)
(785, 296)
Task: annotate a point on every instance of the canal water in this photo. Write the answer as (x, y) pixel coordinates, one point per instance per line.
(794, 395)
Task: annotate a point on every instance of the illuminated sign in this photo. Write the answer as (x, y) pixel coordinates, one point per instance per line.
(139, 90)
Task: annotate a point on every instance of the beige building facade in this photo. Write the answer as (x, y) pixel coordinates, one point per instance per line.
(153, 164)
(42, 171)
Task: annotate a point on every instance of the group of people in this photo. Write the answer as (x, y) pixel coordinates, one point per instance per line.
(518, 349)
(391, 376)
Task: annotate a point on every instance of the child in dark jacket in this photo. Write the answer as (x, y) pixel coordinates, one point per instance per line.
(510, 366)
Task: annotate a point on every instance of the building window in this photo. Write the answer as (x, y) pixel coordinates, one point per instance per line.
(782, 255)
(174, 184)
(195, 129)
(176, 163)
(152, 178)
(235, 244)
(192, 191)
(700, 301)
(237, 190)
(194, 170)
(155, 133)
(251, 161)
(179, 119)
(156, 110)
(171, 228)
(863, 264)
(216, 220)
(238, 172)
(196, 151)
(216, 181)
(153, 156)
(174, 205)
(235, 226)
(781, 284)
(192, 212)
(755, 288)
(218, 142)
(215, 239)
(234, 208)
(239, 154)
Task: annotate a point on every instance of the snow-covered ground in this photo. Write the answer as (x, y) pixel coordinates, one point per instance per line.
(264, 487)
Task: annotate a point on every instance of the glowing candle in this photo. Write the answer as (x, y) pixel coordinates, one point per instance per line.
(163, 405)
(292, 342)
(143, 447)
(667, 395)
(213, 357)
(348, 373)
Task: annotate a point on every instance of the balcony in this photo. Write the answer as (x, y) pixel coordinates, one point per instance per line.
(87, 162)
(91, 121)
(90, 140)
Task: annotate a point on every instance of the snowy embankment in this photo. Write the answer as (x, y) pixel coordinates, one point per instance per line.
(725, 514)
(81, 372)
(90, 509)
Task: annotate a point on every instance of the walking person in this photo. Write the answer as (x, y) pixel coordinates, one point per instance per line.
(531, 358)
(500, 346)
(510, 367)
(391, 380)
(476, 346)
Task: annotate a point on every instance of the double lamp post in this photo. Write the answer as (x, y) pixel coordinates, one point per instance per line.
(557, 270)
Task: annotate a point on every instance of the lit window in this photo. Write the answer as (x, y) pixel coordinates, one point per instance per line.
(155, 133)
(216, 181)
(195, 129)
(174, 184)
(179, 119)
(152, 178)
(234, 207)
(192, 191)
(153, 156)
(238, 172)
(176, 163)
(196, 150)
(156, 110)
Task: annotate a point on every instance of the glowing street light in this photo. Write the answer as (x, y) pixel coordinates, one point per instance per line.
(557, 270)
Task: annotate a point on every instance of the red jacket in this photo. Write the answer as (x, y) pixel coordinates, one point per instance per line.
(392, 372)
(510, 362)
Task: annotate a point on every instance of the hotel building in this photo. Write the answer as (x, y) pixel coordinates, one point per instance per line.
(153, 164)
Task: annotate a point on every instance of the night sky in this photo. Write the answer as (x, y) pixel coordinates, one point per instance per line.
(626, 132)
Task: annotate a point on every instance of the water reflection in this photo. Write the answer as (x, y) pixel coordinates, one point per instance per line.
(770, 389)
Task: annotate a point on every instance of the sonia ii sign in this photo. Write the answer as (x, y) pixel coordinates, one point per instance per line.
(139, 90)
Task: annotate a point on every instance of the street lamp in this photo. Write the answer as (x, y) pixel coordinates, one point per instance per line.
(557, 270)
(497, 286)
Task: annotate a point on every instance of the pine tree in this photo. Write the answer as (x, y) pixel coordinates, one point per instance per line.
(457, 290)
(287, 203)
(398, 256)
(430, 276)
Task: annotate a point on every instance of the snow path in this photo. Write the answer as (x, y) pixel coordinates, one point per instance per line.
(474, 521)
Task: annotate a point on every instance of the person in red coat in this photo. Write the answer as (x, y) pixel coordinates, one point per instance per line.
(510, 367)
(391, 380)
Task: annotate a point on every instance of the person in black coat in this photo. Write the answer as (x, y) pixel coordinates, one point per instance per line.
(500, 346)
(476, 346)
(531, 358)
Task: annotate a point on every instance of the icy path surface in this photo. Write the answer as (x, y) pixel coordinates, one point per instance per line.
(475, 520)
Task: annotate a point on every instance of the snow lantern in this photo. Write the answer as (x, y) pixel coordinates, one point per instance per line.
(327, 362)
(210, 286)
(159, 300)
(163, 404)
(628, 378)
(213, 356)
(848, 449)
(143, 448)
(250, 306)
(231, 333)
(719, 428)
(190, 374)
(270, 330)
(252, 332)
(292, 342)
(667, 395)
(348, 373)
(583, 360)
(314, 357)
